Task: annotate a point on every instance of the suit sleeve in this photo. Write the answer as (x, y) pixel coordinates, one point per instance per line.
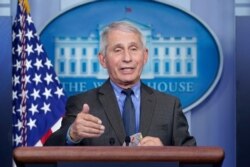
(73, 107)
(181, 136)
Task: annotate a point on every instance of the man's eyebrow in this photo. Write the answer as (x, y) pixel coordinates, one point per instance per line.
(134, 44)
(117, 46)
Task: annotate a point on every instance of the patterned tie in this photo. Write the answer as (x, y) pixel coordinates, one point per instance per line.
(129, 113)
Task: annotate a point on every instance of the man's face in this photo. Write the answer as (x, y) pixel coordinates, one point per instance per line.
(125, 58)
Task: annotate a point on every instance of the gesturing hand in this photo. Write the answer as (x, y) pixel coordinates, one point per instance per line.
(86, 125)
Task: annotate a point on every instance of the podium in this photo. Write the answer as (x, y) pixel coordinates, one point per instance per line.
(167, 156)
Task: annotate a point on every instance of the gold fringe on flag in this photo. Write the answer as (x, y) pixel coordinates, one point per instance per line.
(25, 4)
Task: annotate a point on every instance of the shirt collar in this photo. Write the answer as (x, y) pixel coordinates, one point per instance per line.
(118, 90)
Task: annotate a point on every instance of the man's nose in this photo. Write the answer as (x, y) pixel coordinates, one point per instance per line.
(127, 56)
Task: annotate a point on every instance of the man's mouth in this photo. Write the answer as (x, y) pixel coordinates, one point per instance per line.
(127, 69)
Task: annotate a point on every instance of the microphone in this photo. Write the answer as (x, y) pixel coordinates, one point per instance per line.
(111, 141)
(127, 140)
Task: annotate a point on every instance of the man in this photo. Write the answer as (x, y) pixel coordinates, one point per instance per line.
(95, 118)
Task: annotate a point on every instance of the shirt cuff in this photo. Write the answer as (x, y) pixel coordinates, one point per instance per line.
(69, 140)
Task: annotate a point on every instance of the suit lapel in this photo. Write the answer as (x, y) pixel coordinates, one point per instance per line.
(148, 102)
(111, 108)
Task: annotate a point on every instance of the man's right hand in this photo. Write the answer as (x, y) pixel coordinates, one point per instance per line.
(86, 125)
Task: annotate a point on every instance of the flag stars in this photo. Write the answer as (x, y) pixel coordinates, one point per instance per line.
(13, 109)
(57, 79)
(38, 64)
(14, 95)
(37, 36)
(19, 109)
(35, 94)
(48, 63)
(37, 79)
(59, 92)
(48, 78)
(29, 19)
(33, 109)
(21, 17)
(19, 124)
(29, 34)
(17, 65)
(31, 123)
(46, 108)
(13, 51)
(13, 36)
(29, 49)
(28, 64)
(47, 93)
(19, 50)
(16, 80)
(18, 139)
(39, 49)
(26, 79)
(19, 35)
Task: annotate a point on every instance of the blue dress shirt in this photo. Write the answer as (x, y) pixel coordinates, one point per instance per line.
(136, 98)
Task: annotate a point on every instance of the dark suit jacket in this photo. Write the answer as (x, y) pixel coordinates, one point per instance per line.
(161, 116)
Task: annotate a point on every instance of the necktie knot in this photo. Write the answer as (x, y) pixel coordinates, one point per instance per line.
(127, 92)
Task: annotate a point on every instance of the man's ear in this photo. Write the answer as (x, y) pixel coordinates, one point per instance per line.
(145, 54)
(102, 60)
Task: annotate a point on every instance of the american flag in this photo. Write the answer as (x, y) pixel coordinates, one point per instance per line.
(38, 97)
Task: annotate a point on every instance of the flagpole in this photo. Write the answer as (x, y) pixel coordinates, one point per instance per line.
(23, 74)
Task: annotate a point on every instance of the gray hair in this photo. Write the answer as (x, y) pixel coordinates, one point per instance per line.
(122, 26)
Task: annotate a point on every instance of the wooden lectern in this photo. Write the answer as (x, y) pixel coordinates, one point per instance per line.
(167, 156)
